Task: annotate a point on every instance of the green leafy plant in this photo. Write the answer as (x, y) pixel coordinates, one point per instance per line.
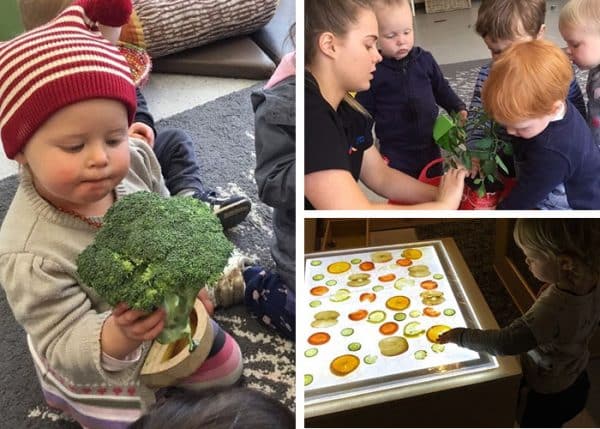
(156, 252)
(451, 135)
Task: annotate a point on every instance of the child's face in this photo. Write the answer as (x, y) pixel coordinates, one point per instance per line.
(357, 53)
(543, 267)
(583, 46)
(80, 154)
(528, 128)
(396, 36)
(496, 47)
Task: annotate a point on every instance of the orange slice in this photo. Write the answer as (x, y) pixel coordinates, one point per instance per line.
(344, 365)
(387, 277)
(366, 266)
(429, 284)
(412, 253)
(398, 302)
(388, 328)
(338, 267)
(319, 290)
(431, 312)
(358, 315)
(318, 338)
(435, 331)
(404, 262)
(367, 296)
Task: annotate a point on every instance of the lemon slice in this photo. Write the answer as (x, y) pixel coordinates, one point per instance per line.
(340, 295)
(398, 303)
(435, 331)
(413, 329)
(338, 267)
(412, 253)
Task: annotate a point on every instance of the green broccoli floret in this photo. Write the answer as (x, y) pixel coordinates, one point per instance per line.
(156, 252)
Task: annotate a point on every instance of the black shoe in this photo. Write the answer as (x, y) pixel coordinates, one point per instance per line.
(231, 210)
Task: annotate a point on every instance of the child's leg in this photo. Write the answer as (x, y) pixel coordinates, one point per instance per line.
(271, 301)
(554, 410)
(222, 367)
(181, 170)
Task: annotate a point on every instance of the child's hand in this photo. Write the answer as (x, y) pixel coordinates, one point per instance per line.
(475, 167)
(451, 186)
(462, 117)
(205, 298)
(142, 131)
(138, 325)
(451, 336)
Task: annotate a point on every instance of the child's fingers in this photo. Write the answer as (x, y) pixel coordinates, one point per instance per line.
(119, 309)
(145, 326)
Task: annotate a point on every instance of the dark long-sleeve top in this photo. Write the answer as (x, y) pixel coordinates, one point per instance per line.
(142, 113)
(565, 152)
(403, 100)
(333, 139)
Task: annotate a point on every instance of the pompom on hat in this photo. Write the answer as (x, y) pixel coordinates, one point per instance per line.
(61, 63)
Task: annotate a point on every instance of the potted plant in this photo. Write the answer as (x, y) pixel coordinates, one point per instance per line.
(450, 133)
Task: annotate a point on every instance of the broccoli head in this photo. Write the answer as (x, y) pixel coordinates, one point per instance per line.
(155, 252)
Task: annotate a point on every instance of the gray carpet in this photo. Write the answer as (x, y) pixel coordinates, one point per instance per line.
(224, 132)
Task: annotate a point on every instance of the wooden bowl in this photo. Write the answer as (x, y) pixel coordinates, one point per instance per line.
(167, 364)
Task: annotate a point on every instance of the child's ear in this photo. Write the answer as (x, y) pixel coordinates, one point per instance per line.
(541, 33)
(556, 106)
(20, 158)
(566, 263)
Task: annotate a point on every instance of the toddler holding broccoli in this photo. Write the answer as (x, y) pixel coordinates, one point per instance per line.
(67, 100)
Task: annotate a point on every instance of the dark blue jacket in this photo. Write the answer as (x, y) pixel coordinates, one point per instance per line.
(565, 152)
(403, 99)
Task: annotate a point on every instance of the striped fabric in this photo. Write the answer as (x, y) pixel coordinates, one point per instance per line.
(103, 408)
(169, 26)
(53, 66)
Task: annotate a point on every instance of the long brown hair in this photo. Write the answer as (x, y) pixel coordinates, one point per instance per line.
(328, 15)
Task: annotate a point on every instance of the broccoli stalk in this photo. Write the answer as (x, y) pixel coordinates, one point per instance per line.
(156, 252)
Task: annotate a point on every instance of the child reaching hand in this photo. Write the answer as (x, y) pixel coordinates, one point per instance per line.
(406, 89)
(553, 336)
(526, 92)
(67, 100)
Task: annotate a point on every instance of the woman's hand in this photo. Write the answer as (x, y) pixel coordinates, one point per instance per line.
(125, 329)
(142, 131)
(451, 186)
(451, 336)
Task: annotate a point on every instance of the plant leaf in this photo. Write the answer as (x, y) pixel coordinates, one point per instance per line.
(477, 181)
(489, 167)
(508, 149)
(484, 143)
(481, 190)
(501, 164)
(442, 125)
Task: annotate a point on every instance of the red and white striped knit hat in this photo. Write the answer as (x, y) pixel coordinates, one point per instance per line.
(61, 63)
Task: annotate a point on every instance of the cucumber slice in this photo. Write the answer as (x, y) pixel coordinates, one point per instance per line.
(356, 261)
(438, 348)
(449, 312)
(311, 352)
(354, 347)
(438, 276)
(399, 317)
(377, 288)
(346, 332)
(314, 303)
(340, 295)
(414, 313)
(331, 282)
(420, 354)
(315, 263)
(308, 379)
(318, 277)
(370, 359)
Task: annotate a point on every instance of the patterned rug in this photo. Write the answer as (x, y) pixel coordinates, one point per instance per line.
(224, 134)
